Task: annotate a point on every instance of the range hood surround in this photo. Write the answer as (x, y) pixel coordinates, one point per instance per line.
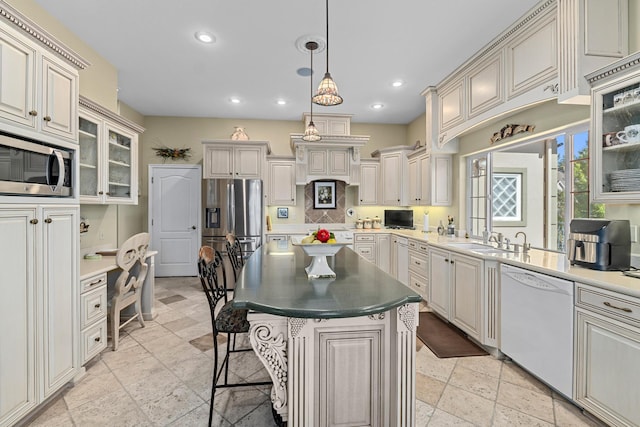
(335, 157)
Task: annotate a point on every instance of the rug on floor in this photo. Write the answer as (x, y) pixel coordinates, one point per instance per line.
(445, 340)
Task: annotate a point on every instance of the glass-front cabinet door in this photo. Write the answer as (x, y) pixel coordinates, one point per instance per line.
(616, 139)
(120, 181)
(90, 154)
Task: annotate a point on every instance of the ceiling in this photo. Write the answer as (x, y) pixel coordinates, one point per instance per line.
(164, 71)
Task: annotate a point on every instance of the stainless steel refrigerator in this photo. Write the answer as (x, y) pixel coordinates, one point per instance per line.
(232, 206)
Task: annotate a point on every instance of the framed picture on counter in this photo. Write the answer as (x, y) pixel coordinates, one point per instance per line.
(283, 212)
(324, 195)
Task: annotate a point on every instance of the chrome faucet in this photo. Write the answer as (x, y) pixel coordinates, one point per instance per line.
(525, 246)
(496, 237)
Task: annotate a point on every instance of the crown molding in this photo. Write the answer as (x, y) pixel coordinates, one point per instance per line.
(40, 35)
(100, 110)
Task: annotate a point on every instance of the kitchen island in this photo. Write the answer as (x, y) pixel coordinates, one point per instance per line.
(339, 351)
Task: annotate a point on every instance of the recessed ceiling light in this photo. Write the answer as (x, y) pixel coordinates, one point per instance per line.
(377, 106)
(281, 102)
(234, 100)
(205, 37)
(397, 83)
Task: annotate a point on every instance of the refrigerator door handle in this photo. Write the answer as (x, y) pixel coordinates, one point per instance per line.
(231, 207)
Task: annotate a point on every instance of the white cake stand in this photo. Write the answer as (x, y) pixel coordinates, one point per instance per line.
(318, 252)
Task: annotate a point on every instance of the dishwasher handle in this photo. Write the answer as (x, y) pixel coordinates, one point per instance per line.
(536, 282)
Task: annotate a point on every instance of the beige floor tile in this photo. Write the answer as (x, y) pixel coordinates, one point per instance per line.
(123, 356)
(428, 389)
(467, 406)
(526, 400)
(172, 405)
(424, 411)
(428, 364)
(55, 415)
(198, 418)
(475, 382)
(179, 324)
(91, 388)
(484, 364)
(569, 415)
(441, 418)
(111, 406)
(507, 417)
(262, 416)
(236, 403)
(138, 370)
(514, 374)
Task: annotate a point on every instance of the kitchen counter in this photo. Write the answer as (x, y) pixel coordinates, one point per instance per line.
(546, 262)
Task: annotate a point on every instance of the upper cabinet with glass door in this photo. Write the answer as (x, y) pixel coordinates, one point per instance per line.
(615, 122)
(108, 156)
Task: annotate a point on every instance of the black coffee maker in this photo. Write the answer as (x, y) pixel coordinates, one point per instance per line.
(600, 244)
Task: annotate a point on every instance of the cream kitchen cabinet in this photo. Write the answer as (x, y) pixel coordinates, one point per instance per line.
(430, 179)
(108, 156)
(394, 175)
(281, 182)
(39, 93)
(39, 308)
(419, 267)
(374, 247)
(615, 132)
(228, 159)
(93, 316)
(455, 289)
(606, 355)
(369, 188)
(400, 258)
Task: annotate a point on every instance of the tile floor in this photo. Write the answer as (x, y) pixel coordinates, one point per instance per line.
(161, 376)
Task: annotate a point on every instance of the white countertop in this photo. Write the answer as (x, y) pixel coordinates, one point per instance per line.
(546, 262)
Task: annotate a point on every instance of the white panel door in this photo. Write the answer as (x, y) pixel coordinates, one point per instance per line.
(17, 70)
(174, 218)
(59, 100)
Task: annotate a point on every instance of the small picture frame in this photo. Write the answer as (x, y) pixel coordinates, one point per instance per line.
(283, 212)
(324, 195)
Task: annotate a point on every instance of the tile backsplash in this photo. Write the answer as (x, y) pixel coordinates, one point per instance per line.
(322, 216)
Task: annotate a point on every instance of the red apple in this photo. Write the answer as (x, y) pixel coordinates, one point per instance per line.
(323, 235)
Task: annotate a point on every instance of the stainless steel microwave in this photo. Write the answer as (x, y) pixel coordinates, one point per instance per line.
(31, 168)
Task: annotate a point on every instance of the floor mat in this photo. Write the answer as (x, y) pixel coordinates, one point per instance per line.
(445, 340)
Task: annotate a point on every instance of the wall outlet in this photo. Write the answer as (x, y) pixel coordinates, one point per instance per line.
(634, 234)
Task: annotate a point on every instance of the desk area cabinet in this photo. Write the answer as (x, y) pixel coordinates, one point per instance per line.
(93, 316)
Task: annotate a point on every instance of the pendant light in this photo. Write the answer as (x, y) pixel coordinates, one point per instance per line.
(327, 93)
(311, 134)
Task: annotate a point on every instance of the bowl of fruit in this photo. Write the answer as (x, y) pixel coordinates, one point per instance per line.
(318, 246)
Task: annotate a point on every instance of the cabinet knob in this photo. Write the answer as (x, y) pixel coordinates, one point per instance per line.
(101, 192)
(33, 221)
(48, 220)
(446, 260)
(47, 118)
(193, 227)
(108, 193)
(33, 113)
(451, 261)
(97, 339)
(97, 306)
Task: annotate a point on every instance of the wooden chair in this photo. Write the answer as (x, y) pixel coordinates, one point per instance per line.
(127, 290)
(225, 320)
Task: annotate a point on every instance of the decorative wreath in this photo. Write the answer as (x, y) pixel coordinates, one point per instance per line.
(173, 153)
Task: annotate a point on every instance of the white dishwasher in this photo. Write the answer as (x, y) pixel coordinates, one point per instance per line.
(537, 325)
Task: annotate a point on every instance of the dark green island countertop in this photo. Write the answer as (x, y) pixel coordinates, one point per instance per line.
(274, 281)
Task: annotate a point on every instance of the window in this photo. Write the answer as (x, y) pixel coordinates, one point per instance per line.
(535, 186)
(508, 198)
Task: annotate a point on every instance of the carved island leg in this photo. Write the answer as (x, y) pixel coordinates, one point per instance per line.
(406, 323)
(268, 337)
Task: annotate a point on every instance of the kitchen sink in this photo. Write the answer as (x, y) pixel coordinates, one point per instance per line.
(480, 248)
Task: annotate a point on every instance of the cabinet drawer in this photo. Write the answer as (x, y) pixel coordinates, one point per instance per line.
(418, 262)
(93, 306)
(367, 251)
(418, 283)
(618, 306)
(94, 340)
(417, 246)
(365, 238)
(93, 282)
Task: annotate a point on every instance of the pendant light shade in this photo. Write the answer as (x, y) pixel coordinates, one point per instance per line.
(327, 93)
(311, 133)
